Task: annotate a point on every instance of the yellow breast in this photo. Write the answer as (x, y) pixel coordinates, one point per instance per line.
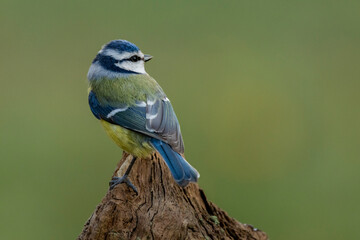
(132, 142)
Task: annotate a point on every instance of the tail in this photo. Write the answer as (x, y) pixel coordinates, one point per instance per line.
(181, 170)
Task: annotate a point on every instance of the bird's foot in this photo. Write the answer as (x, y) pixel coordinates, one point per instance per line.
(124, 179)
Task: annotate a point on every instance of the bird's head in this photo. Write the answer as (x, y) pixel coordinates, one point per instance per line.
(117, 58)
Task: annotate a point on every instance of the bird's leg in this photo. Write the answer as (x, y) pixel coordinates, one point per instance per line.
(124, 179)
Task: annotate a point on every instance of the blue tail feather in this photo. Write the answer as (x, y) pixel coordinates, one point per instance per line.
(181, 170)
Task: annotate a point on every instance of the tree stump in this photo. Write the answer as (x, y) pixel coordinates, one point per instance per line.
(161, 210)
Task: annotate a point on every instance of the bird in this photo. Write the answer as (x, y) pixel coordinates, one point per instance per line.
(134, 110)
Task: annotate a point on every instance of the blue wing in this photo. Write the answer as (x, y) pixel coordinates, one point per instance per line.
(155, 118)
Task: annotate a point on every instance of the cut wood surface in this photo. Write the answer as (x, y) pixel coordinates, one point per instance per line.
(161, 210)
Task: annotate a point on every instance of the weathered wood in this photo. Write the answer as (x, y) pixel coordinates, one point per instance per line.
(162, 210)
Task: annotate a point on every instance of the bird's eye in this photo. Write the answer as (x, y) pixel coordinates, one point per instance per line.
(134, 58)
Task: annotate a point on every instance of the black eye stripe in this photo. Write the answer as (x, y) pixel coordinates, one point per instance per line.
(109, 62)
(134, 58)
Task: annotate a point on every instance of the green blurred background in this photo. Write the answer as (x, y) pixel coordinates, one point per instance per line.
(267, 94)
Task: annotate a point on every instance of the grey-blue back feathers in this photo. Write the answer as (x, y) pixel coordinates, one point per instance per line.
(155, 118)
(161, 119)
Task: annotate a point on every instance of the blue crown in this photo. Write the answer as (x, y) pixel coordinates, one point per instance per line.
(122, 46)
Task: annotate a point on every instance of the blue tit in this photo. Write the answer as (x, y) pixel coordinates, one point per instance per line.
(134, 110)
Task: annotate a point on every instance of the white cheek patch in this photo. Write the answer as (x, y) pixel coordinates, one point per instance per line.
(132, 66)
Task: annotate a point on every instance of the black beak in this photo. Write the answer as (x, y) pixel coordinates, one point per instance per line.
(147, 57)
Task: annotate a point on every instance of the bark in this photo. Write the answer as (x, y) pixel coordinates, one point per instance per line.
(161, 210)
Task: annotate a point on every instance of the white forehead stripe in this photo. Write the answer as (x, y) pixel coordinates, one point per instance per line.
(118, 56)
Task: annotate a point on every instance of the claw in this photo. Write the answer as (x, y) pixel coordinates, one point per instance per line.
(124, 179)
